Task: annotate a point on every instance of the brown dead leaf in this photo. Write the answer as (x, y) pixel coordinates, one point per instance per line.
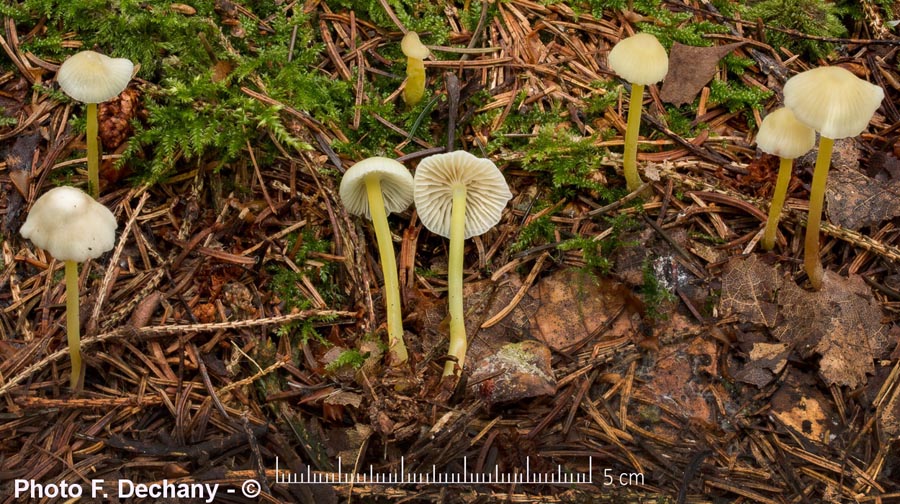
(767, 360)
(856, 201)
(800, 406)
(841, 323)
(678, 378)
(889, 420)
(749, 291)
(690, 68)
(344, 398)
(573, 305)
(346, 443)
(883, 166)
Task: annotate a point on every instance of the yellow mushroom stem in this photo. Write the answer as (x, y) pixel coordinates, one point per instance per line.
(816, 199)
(93, 151)
(781, 187)
(73, 331)
(458, 342)
(396, 346)
(632, 130)
(415, 81)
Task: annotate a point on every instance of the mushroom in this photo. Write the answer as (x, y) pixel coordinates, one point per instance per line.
(837, 104)
(415, 53)
(72, 227)
(375, 187)
(782, 135)
(640, 60)
(93, 78)
(458, 196)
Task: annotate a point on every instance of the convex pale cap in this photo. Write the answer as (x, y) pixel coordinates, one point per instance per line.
(412, 47)
(91, 77)
(486, 192)
(782, 135)
(832, 101)
(639, 59)
(71, 225)
(396, 186)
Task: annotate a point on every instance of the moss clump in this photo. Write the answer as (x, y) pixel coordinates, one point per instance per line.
(812, 17)
(569, 161)
(352, 358)
(654, 293)
(536, 232)
(197, 65)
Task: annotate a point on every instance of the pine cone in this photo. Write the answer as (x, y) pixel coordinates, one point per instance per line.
(115, 118)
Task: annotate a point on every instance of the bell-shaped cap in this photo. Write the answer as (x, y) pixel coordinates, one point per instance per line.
(91, 77)
(782, 135)
(832, 101)
(412, 47)
(486, 192)
(396, 186)
(71, 225)
(639, 59)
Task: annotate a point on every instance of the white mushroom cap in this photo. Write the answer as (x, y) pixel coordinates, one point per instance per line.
(71, 225)
(412, 47)
(639, 59)
(832, 101)
(396, 186)
(91, 77)
(782, 135)
(486, 192)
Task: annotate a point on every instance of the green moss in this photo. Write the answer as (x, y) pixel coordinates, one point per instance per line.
(813, 17)
(680, 120)
(568, 161)
(736, 96)
(654, 294)
(352, 358)
(197, 111)
(5, 120)
(596, 253)
(285, 283)
(604, 96)
(590, 253)
(536, 232)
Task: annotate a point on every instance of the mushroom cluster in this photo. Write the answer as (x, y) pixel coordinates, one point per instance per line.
(92, 78)
(457, 196)
(72, 227)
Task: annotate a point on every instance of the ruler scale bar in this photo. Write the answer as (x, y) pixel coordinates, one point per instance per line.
(526, 477)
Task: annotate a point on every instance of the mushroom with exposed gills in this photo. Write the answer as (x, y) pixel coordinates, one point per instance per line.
(375, 187)
(782, 135)
(72, 227)
(458, 196)
(415, 53)
(640, 60)
(93, 78)
(838, 105)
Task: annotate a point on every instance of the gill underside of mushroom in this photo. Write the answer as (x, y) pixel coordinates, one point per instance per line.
(388, 268)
